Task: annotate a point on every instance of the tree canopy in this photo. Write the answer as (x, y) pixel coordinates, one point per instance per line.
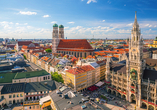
(48, 50)
(57, 77)
(24, 57)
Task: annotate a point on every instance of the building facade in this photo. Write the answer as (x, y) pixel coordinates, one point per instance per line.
(134, 81)
(80, 78)
(76, 47)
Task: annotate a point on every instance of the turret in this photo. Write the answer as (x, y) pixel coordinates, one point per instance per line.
(55, 31)
(61, 32)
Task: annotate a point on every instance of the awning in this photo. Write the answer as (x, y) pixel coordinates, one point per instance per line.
(92, 88)
(34, 95)
(46, 104)
(100, 83)
(106, 81)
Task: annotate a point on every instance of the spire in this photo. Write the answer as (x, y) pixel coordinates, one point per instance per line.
(135, 22)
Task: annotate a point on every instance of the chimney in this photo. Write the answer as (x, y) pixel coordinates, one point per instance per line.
(45, 83)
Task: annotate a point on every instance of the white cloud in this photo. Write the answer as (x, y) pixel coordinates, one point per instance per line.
(89, 1)
(27, 13)
(46, 16)
(147, 25)
(29, 27)
(123, 31)
(155, 26)
(150, 25)
(6, 25)
(17, 23)
(71, 22)
(99, 27)
(54, 22)
(11, 23)
(25, 23)
(103, 20)
(129, 24)
(66, 27)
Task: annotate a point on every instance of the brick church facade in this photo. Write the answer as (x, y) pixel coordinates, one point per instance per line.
(76, 47)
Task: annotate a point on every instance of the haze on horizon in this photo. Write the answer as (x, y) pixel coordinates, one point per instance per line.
(33, 19)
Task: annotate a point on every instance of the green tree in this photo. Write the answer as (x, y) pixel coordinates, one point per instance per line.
(57, 77)
(24, 57)
(48, 50)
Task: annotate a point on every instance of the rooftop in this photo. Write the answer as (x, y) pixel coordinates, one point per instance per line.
(72, 101)
(41, 86)
(55, 25)
(151, 62)
(121, 68)
(151, 74)
(30, 74)
(74, 44)
(13, 88)
(20, 43)
(80, 69)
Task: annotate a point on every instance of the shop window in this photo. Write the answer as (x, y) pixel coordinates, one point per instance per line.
(17, 95)
(14, 96)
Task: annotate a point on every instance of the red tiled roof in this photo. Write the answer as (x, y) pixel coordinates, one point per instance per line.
(20, 43)
(11, 45)
(24, 47)
(80, 69)
(90, 56)
(103, 61)
(74, 45)
(36, 44)
(45, 58)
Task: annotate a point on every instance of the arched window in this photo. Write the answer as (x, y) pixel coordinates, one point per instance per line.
(134, 38)
(135, 57)
(81, 54)
(85, 54)
(137, 38)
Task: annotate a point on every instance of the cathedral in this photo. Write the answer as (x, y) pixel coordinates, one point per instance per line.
(134, 81)
(76, 47)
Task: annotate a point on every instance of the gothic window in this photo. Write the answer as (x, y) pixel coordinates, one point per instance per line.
(135, 57)
(134, 38)
(137, 38)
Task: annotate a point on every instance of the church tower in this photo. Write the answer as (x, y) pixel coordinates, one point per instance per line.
(55, 39)
(136, 64)
(61, 32)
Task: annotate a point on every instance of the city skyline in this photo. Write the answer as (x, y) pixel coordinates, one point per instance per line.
(81, 18)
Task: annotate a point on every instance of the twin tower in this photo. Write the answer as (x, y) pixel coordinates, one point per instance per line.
(55, 31)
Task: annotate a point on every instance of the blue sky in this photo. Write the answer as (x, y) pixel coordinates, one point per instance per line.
(81, 18)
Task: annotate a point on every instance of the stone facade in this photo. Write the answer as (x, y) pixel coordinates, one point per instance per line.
(135, 81)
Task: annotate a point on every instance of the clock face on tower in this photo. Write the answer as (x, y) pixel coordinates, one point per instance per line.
(133, 74)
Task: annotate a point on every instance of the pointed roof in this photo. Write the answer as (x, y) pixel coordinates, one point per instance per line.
(135, 21)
